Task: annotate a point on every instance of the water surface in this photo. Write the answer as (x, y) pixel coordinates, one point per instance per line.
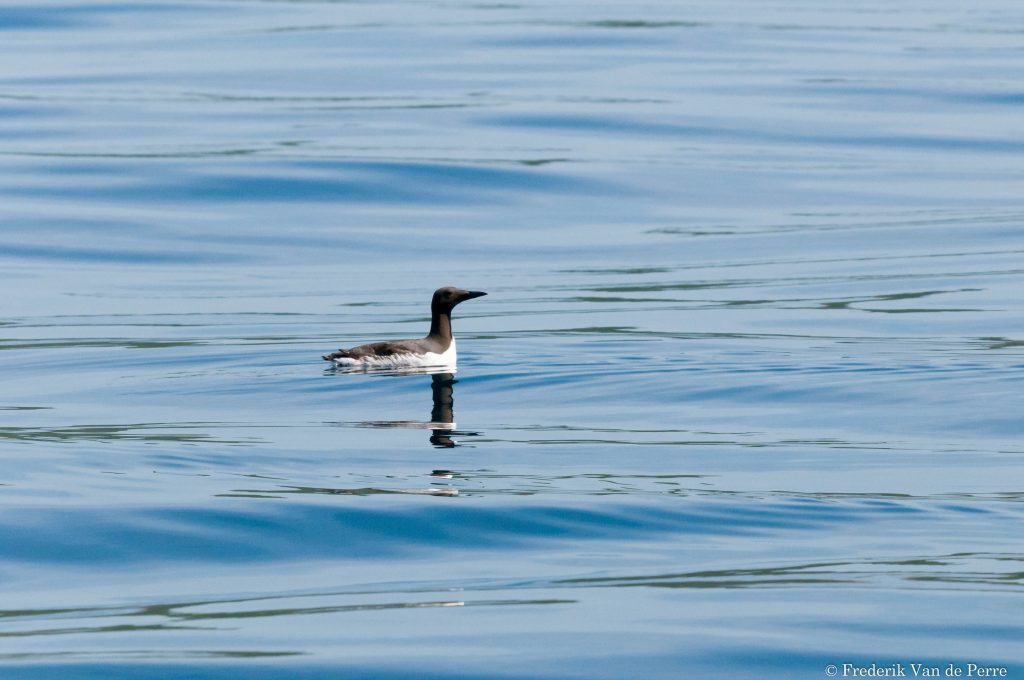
(743, 400)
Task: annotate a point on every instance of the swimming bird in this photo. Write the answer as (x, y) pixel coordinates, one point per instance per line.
(437, 349)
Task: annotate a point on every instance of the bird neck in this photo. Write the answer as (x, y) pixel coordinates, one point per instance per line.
(441, 325)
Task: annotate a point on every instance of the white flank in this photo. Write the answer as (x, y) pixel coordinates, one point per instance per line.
(410, 360)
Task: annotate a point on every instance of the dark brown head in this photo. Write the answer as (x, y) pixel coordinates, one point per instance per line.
(446, 298)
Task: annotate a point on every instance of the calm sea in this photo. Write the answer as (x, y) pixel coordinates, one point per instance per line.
(744, 400)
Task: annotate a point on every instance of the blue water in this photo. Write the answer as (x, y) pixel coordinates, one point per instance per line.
(744, 399)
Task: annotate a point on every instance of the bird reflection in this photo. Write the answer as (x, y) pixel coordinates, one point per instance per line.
(443, 387)
(442, 415)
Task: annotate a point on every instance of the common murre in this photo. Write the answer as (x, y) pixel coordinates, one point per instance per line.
(437, 349)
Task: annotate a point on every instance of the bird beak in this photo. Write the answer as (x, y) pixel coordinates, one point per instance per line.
(470, 294)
